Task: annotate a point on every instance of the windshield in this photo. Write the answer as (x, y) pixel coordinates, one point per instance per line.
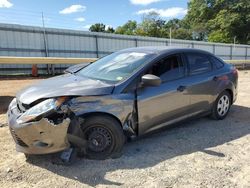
(116, 67)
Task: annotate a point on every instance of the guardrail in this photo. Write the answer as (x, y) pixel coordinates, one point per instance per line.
(43, 60)
(242, 64)
(50, 61)
(59, 60)
(66, 60)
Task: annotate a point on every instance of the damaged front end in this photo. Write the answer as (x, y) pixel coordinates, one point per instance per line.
(55, 124)
(34, 131)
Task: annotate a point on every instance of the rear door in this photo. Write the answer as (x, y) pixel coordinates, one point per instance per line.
(163, 104)
(202, 81)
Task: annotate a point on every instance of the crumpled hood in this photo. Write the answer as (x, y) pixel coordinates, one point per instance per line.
(64, 85)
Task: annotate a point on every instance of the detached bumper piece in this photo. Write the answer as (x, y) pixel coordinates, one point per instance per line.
(40, 137)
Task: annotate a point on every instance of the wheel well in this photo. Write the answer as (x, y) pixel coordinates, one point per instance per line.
(90, 114)
(231, 94)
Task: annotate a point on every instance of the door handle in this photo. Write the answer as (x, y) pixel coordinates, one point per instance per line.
(181, 88)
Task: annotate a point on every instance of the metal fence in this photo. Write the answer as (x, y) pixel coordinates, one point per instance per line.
(29, 41)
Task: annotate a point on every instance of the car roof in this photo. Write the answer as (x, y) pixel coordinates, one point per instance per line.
(163, 49)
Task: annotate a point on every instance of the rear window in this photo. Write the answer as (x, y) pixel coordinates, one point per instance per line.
(198, 63)
(217, 63)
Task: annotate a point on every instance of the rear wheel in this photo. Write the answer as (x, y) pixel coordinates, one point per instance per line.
(104, 136)
(222, 105)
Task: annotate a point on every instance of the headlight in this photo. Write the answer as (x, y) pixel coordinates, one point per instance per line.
(41, 109)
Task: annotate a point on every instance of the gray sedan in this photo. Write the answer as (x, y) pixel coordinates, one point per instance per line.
(129, 93)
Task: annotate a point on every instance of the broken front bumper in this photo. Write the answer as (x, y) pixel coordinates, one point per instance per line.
(40, 137)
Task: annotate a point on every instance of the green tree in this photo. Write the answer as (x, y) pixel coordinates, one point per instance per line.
(173, 24)
(98, 27)
(220, 20)
(110, 30)
(212, 20)
(233, 20)
(219, 36)
(127, 29)
(152, 26)
(182, 33)
(178, 29)
(200, 32)
(199, 13)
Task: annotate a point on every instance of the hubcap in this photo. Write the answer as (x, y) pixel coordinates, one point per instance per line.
(99, 139)
(223, 105)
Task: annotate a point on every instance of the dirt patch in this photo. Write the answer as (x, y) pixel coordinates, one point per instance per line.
(198, 153)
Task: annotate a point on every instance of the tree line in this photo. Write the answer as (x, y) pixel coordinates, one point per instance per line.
(226, 21)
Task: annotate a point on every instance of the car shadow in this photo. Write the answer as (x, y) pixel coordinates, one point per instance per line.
(198, 135)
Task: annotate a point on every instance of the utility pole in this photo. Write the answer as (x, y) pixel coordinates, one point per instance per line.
(46, 46)
(44, 37)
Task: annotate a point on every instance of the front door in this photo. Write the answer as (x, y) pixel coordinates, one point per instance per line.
(163, 104)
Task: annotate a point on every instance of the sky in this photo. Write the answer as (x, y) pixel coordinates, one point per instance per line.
(80, 14)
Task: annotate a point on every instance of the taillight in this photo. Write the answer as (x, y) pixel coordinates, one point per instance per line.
(235, 71)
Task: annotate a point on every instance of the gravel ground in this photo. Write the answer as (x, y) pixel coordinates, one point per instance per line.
(198, 153)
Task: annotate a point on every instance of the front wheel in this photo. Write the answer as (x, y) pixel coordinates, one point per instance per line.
(221, 106)
(104, 135)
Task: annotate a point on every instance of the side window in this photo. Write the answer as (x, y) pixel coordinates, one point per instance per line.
(217, 63)
(169, 68)
(198, 63)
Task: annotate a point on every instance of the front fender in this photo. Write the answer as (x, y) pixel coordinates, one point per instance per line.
(120, 106)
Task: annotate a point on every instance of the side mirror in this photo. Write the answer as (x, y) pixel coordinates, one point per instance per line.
(151, 80)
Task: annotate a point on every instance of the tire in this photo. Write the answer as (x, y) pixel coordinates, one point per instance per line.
(222, 106)
(105, 137)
